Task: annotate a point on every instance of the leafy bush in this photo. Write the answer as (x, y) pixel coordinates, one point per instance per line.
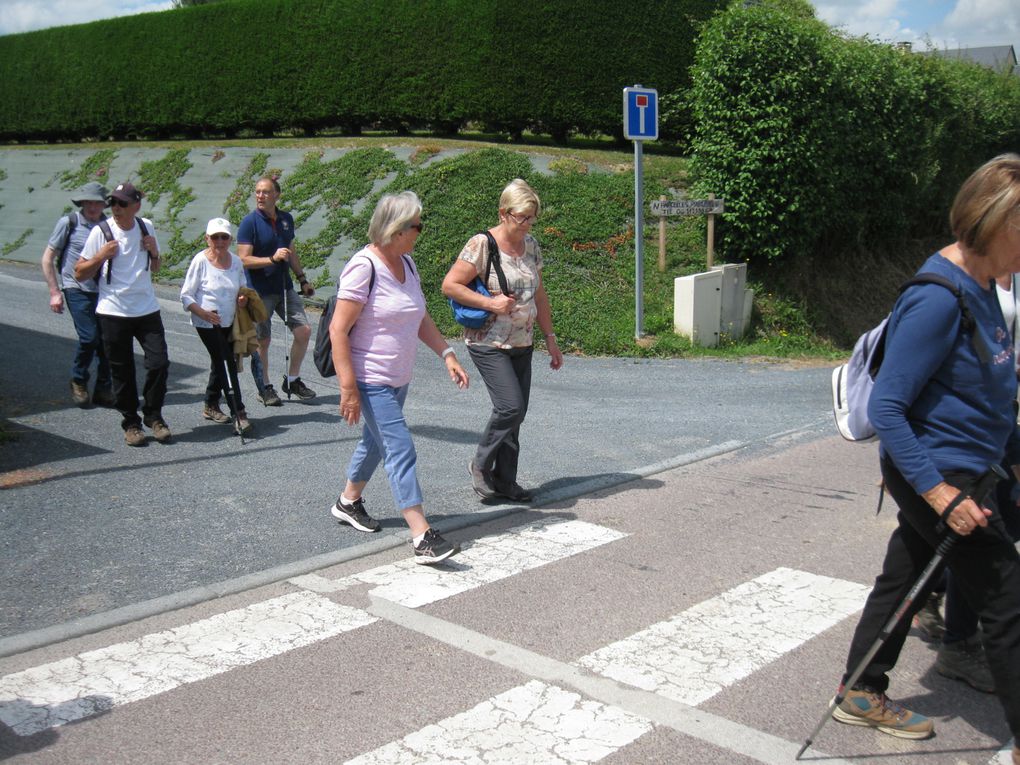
(556, 66)
(824, 145)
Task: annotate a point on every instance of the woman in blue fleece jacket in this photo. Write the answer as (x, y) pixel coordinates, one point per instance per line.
(943, 409)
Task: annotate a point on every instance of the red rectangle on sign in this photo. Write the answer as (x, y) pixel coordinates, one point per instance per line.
(641, 101)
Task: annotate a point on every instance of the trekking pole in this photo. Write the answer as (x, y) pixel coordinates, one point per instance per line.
(978, 491)
(286, 362)
(231, 390)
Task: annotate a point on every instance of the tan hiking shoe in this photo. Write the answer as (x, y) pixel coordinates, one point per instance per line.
(79, 393)
(160, 430)
(876, 710)
(133, 436)
(214, 413)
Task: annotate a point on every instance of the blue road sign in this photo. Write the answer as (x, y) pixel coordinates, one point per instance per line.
(640, 114)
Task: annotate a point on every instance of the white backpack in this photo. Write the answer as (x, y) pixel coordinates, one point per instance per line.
(852, 382)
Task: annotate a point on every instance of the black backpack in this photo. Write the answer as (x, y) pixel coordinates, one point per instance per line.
(72, 224)
(322, 354)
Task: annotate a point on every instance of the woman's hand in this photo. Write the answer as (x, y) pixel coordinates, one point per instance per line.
(350, 405)
(210, 316)
(555, 356)
(502, 304)
(457, 372)
(965, 517)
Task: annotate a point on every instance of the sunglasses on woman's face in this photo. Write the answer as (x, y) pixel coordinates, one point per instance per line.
(219, 236)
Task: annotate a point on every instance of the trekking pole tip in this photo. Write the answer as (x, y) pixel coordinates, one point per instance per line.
(803, 749)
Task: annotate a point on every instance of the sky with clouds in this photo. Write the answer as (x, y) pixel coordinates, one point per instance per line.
(945, 23)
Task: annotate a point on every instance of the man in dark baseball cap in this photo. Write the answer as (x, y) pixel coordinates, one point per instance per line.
(123, 253)
(58, 263)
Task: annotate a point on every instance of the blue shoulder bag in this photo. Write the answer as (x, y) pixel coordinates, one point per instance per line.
(475, 318)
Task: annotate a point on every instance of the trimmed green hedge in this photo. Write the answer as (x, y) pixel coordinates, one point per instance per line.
(273, 65)
(824, 146)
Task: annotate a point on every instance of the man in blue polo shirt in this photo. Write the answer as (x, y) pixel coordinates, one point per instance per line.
(265, 245)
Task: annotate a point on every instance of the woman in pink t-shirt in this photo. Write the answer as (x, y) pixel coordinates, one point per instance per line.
(379, 318)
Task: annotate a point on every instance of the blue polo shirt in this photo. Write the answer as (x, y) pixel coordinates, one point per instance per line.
(265, 239)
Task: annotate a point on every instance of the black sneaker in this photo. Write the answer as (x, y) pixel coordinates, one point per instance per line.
(267, 396)
(514, 492)
(433, 549)
(297, 388)
(354, 514)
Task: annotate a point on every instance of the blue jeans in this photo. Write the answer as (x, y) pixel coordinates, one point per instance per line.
(385, 436)
(82, 307)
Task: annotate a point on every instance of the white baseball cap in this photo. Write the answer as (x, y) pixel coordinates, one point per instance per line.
(218, 226)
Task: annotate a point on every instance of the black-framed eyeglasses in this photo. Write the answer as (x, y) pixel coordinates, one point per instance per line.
(522, 220)
(220, 236)
(114, 202)
(416, 226)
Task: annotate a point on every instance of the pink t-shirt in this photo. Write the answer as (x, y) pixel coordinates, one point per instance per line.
(384, 340)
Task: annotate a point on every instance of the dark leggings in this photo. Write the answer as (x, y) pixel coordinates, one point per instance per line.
(986, 567)
(217, 342)
(507, 376)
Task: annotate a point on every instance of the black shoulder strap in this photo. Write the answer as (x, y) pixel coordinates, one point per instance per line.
(967, 322)
(104, 226)
(145, 233)
(494, 261)
(410, 264)
(72, 224)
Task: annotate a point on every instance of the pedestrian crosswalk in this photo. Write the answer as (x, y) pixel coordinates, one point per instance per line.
(560, 714)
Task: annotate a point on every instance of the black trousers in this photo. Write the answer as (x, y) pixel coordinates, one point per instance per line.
(119, 334)
(507, 376)
(985, 566)
(221, 378)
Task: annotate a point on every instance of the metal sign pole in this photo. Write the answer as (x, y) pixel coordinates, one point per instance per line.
(639, 237)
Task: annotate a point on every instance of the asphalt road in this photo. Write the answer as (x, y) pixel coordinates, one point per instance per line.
(94, 532)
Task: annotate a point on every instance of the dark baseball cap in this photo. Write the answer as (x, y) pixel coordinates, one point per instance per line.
(126, 192)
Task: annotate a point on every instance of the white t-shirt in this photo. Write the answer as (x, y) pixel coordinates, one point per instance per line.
(214, 289)
(129, 292)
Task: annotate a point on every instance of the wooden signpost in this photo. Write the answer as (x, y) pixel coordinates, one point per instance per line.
(710, 207)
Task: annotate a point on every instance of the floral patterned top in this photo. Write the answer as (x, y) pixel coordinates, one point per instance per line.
(515, 330)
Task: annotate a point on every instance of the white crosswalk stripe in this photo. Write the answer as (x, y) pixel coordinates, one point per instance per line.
(92, 682)
(534, 722)
(487, 560)
(712, 645)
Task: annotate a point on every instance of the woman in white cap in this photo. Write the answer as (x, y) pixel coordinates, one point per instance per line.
(210, 293)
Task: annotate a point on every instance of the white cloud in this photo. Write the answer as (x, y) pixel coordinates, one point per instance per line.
(26, 15)
(981, 22)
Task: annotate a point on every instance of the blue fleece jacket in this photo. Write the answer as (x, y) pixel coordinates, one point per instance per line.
(935, 405)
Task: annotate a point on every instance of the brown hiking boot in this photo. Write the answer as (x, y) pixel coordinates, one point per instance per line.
(875, 710)
(79, 393)
(214, 413)
(243, 425)
(160, 430)
(134, 436)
